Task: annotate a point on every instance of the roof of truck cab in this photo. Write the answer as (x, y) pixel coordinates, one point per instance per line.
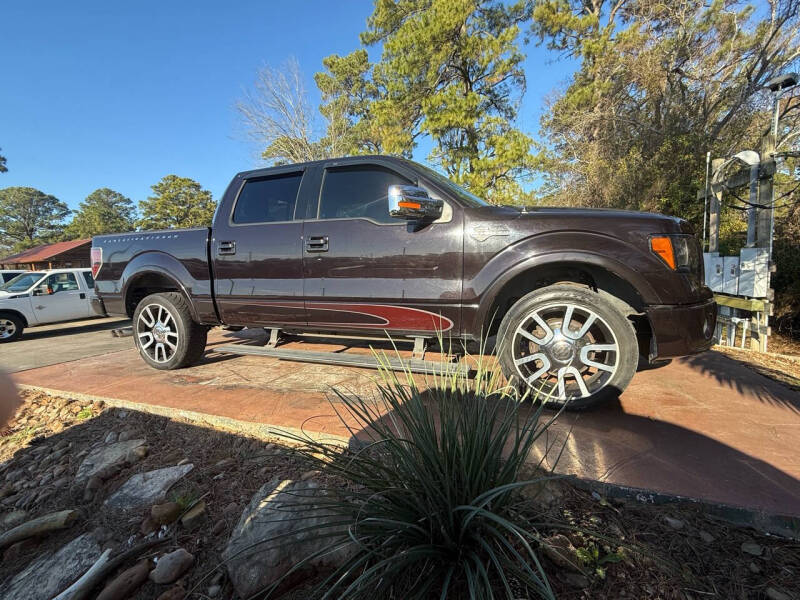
(362, 158)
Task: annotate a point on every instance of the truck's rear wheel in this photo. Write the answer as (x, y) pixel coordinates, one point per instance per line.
(568, 345)
(11, 327)
(165, 334)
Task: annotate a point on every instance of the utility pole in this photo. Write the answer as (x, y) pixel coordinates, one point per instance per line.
(713, 217)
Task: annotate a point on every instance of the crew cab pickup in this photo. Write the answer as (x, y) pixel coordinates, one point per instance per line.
(382, 245)
(40, 297)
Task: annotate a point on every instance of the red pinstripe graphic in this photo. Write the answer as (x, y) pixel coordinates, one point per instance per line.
(384, 316)
(392, 317)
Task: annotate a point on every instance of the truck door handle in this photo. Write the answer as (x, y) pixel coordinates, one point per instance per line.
(83, 296)
(228, 247)
(317, 244)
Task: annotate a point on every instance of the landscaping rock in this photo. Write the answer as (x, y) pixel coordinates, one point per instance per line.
(176, 592)
(219, 527)
(164, 514)
(12, 519)
(21, 548)
(674, 523)
(171, 566)
(560, 550)
(706, 537)
(111, 437)
(194, 516)
(148, 526)
(213, 591)
(126, 435)
(137, 454)
(145, 489)
(104, 457)
(126, 583)
(49, 575)
(774, 594)
(278, 510)
(752, 548)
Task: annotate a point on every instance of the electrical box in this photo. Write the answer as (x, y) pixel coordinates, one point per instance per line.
(716, 273)
(754, 272)
(730, 282)
(707, 266)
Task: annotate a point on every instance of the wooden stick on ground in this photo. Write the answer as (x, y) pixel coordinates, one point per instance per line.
(79, 588)
(38, 526)
(102, 568)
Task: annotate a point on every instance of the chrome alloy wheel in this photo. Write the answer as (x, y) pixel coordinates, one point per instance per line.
(157, 331)
(565, 351)
(7, 328)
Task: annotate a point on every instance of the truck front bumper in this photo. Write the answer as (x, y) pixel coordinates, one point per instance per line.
(679, 330)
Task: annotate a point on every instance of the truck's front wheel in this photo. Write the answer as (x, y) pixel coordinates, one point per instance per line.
(568, 345)
(165, 334)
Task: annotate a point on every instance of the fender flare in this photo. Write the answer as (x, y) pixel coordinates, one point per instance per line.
(558, 259)
(154, 262)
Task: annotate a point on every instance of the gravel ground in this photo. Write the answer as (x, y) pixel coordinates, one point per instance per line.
(626, 549)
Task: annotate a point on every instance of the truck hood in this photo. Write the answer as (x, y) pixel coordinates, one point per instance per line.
(587, 219)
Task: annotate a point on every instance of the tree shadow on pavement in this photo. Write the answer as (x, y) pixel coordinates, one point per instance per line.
(737, 377)
(611, 446)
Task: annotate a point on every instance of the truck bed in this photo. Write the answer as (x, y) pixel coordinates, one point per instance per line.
(179, 253)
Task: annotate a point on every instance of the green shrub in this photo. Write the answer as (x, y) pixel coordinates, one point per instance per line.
(430, 505)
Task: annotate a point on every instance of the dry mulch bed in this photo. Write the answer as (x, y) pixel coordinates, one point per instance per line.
(629, 549)
(783, 368)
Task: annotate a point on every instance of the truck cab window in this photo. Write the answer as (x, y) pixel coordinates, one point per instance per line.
(89, 279)
(358, 192)
(62, 282)
(267, 199)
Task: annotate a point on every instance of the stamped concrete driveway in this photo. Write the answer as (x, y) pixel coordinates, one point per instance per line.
(704, 427)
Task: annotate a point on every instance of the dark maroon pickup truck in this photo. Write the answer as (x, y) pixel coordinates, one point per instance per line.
(375, 245)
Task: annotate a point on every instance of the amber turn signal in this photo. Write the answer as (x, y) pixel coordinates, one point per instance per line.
(662, 246)
(411, 205)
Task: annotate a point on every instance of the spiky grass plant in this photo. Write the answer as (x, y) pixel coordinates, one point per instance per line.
(429, 512)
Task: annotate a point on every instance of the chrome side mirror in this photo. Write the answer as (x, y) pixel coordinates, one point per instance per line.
(410, 202)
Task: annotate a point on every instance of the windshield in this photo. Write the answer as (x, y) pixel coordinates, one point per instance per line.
(21, 283)
(459, 192)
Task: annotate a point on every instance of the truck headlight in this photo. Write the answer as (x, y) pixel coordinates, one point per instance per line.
(680, 252)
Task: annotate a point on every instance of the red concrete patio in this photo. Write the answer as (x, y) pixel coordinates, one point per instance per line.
(704, 427)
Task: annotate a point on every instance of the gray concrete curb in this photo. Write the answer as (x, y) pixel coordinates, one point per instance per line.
(781, 525)
(263, 431)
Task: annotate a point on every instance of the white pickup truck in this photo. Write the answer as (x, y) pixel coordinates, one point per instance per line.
(41, 297)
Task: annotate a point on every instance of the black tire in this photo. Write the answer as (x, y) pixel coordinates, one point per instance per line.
(11, 327)
(152, 327)
(556, 361)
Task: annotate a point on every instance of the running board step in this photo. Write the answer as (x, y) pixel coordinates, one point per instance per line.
(366, 361)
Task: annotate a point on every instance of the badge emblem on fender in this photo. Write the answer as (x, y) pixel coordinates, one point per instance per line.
(483, 231)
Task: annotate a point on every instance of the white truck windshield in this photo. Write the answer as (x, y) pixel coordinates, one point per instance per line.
(21, 283)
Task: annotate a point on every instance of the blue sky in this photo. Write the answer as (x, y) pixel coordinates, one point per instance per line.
(105, 94)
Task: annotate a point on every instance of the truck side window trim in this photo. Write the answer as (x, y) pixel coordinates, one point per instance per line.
(281, 173)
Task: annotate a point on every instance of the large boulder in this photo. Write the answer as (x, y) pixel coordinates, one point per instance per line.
(146, 489)
(106, 458)
(277, 530)
(49, 575)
